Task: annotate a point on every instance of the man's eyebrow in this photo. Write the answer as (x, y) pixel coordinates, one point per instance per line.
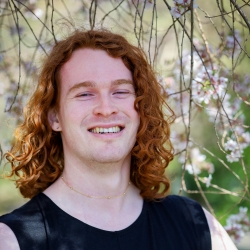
(122, 81)
(82, 84)
(93, 84)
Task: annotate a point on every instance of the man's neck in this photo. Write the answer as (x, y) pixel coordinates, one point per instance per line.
(98, 179)
(105, 213)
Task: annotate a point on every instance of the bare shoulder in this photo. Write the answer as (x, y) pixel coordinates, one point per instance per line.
(8, 239)
(219, 236)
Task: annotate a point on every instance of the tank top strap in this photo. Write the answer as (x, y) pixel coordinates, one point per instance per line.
(28, 225)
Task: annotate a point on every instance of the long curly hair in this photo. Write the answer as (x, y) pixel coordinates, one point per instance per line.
(36, 156)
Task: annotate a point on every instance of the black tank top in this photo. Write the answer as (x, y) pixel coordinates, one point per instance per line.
(175, 223)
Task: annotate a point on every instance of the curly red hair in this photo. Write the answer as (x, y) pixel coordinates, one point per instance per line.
(37, 153)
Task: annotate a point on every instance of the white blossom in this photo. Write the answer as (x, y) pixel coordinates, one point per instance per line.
(231, 145)
(179, 141)
(237, 225)
(198, 163)
(207, 180)
(208, 85)
(236, 147)
(167, 84)
(236, 151)
(180, 6)
(176, 12)
(37, 13)
(234, 156)
(244, 140)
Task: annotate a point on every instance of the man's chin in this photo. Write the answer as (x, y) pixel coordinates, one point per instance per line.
(110, 157)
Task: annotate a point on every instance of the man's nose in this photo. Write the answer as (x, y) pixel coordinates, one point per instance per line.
(105, 107)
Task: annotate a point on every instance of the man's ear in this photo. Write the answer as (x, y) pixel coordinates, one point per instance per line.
(53, 120)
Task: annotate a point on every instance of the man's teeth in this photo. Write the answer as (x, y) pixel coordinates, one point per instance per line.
(97, 130)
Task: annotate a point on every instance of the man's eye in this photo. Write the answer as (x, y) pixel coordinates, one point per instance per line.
(84, 95)
(121, 92)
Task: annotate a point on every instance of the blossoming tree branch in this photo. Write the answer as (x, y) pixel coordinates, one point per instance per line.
(201, 53)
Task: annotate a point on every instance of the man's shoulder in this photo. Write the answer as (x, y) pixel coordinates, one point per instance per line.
(185, 216)
(185, 211)
(26, 225)
(182, 205)
(20, 214)
(176, 201)
(13, 223)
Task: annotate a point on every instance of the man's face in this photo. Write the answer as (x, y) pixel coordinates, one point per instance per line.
(96, 115)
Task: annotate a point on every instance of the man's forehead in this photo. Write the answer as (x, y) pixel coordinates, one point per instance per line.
(89, 65)
(87, 57)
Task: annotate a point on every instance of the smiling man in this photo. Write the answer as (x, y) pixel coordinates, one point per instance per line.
(91, 154)
(96, 115)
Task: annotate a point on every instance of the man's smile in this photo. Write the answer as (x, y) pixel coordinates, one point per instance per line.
(101, 130)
